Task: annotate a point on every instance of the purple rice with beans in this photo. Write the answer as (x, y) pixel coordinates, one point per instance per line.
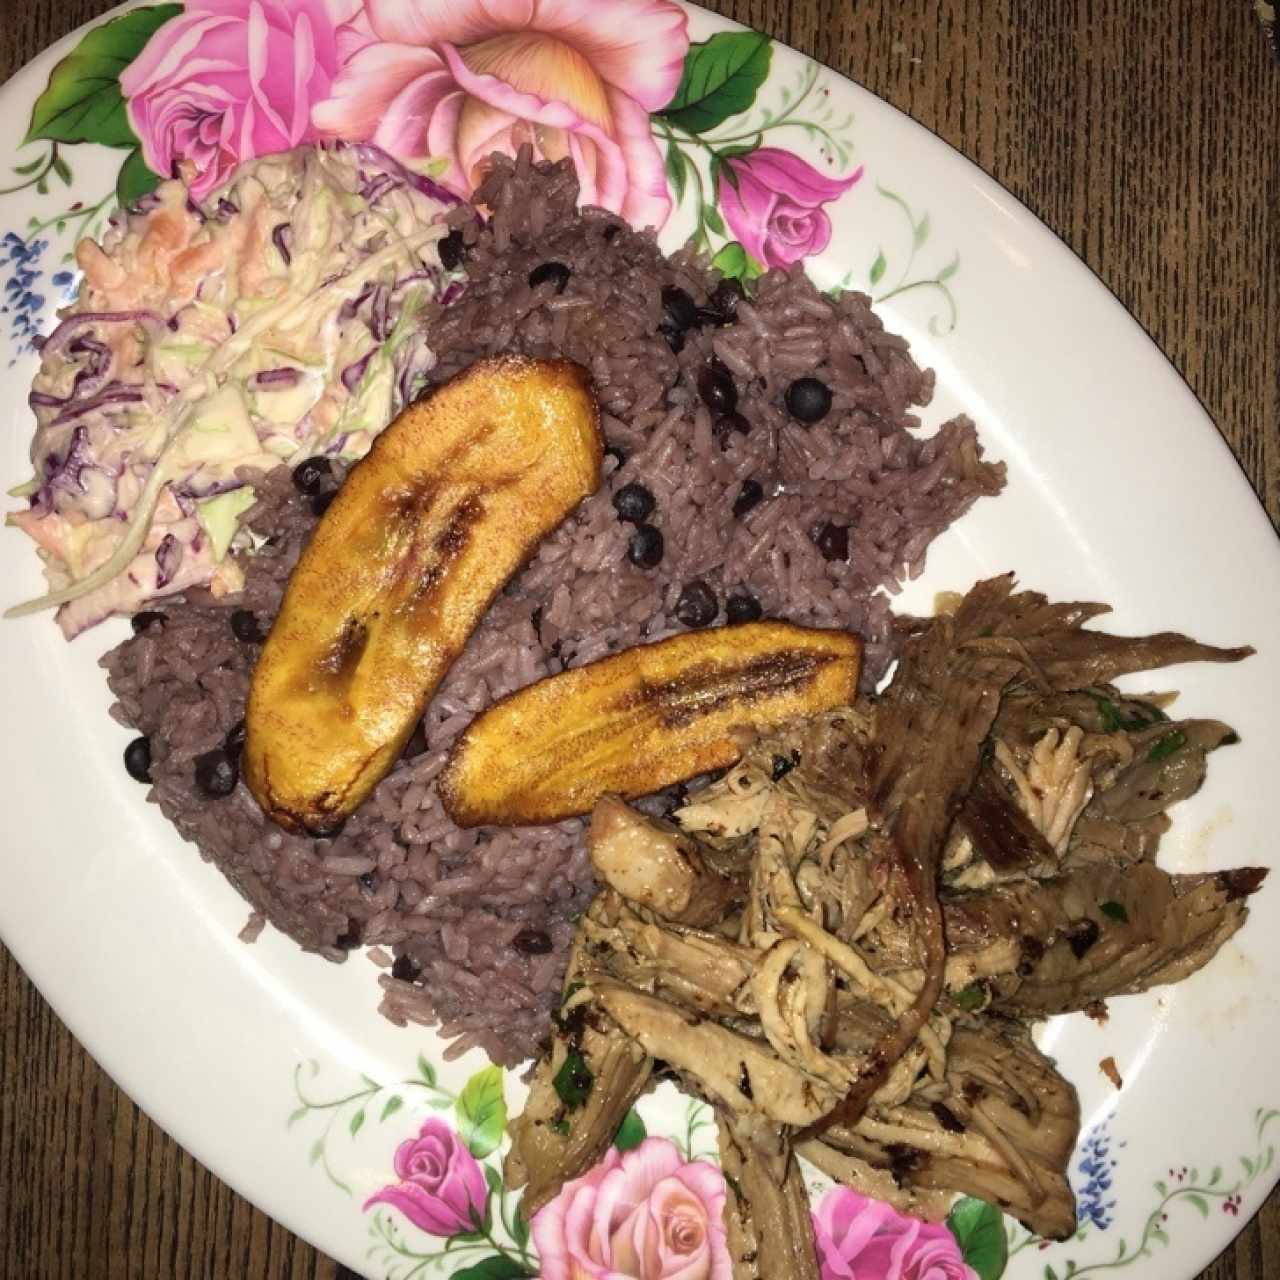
(731, 496)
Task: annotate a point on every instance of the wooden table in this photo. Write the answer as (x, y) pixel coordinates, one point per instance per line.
(1146, 135)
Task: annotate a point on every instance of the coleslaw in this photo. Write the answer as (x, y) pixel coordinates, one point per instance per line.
(277, 320)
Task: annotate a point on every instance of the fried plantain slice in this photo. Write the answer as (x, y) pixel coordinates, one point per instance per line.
(641, 720)
(452, 499)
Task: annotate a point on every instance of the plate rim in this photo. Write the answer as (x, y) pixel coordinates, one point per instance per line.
(58, 994)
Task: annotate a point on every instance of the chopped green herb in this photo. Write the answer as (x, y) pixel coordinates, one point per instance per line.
(561, 1127)
(1166, 746)
(1110, 715)
(574, 1080)
(970, 998)
(1115, 910)
(1113, 721)
(987, 631)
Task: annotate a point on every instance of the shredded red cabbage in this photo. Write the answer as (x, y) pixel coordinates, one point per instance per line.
(374, 189)
(91, 378)
(113, 395)
(416, 277)
(348, 310)
(277, 378)
(280, 237)
(377, 158)
(61, 336)
(188, 488)
(380, 313)
(65, 473)
(168, 560)
(144, 204)
(352, 374)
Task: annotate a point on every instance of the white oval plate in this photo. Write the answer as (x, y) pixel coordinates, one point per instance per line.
(272, 1066)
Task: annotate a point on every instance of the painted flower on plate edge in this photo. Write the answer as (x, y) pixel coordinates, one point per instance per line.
(863, 1239)
(442, 1187)
(228, 80)
(774, 203)
(646, 1214)
(457, 82)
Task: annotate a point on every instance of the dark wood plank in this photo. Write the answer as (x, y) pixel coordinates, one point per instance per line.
(1145, 135)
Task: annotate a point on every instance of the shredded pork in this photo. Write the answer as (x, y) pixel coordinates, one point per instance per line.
(841, 943)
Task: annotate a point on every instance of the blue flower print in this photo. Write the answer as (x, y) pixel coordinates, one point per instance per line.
(22, 304)
(1096, 1166)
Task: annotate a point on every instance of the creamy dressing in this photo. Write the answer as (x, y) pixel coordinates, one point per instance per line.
(276, 321)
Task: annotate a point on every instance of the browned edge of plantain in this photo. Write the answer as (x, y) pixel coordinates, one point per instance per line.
(641, 719)
(452, 499)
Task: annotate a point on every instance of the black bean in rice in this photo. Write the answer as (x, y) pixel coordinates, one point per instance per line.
(457, 908)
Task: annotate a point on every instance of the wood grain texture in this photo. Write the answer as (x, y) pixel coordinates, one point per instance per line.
(1144, 134)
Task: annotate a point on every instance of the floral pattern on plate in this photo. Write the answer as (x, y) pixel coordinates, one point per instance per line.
(1183, 1185)
(655, 124)
(652, 1208)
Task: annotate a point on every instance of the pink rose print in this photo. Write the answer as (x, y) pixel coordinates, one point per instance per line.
(772, 201)
(228, 80)
(442, 1188)
(645, 1215)
(862, 1239)
(456, 81)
